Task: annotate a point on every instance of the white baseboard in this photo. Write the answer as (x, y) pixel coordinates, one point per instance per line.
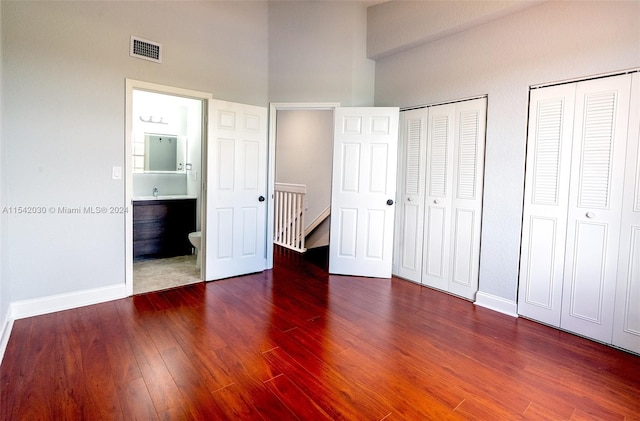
(53, 303)
(495, 303)
(5, 332)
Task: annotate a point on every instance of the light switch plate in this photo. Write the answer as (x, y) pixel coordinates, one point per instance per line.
(116, 173)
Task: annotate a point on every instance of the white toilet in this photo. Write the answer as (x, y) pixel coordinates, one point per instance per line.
(194, 238)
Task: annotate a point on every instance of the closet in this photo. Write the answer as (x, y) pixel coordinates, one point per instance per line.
(580, 251)
(441, 161)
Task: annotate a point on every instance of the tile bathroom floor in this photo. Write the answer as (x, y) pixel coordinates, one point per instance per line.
(164, 273)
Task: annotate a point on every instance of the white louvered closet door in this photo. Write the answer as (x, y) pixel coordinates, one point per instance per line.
(580, 265)
(595, 206)
(466, 200)
(546, 197)
(439, 172)
(453, 197)
(410, 210)
(626, 325)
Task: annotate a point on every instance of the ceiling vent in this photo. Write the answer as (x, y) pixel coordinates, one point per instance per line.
(145, 49)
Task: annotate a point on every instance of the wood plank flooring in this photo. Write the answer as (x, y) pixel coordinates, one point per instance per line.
(297, 343)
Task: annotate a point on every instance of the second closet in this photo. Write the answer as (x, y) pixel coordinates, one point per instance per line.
(441, 161)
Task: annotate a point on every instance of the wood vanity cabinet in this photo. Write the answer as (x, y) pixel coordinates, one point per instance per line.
(161, 227)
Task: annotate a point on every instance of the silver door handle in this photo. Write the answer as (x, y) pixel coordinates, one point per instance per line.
(590, 215)
(436, 201)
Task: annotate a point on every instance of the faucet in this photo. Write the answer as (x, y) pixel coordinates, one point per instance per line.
(155, 192)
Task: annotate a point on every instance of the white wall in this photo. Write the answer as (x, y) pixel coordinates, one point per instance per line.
(317, 52)
(304, 155)
(5, 290)
(65, 65)
(549, 42)
(396, 26)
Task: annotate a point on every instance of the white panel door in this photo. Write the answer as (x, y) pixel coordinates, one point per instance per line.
(235, 190)
(626, 326)
(411, 188)
(363, 191)
(546, 196)
(595, 205)
(466, 198)
(437, 225)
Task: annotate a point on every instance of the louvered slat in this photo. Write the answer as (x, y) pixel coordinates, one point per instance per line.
(414, 134)
(595, 176)
(547, 152)
(438, 156)
(468, 155)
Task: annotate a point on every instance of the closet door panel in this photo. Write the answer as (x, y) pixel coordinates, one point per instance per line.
(595, 205)
(435, 263)
(411, 188)
(463, 248)
(466, 203)
(440, 153)
(626, 326)
(546, 191)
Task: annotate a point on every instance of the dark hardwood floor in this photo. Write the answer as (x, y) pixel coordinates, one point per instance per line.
(297, 343)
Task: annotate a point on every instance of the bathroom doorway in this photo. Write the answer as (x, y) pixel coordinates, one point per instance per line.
(164, 173)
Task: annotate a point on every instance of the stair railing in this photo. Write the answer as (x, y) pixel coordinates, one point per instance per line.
(289, 216)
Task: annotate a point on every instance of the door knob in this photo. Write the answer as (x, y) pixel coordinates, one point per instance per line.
(409, 199)
(261, 199)
(590, 215)
(436, 201)
(389, 202)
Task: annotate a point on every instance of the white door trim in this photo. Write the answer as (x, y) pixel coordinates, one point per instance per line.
(271, 165)
(130, 85)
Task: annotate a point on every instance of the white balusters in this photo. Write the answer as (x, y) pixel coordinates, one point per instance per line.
(289, 216)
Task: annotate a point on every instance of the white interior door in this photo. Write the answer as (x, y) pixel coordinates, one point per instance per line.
(595, 205)
(363, 191)
(410, 204)
(626, 326)
(235, 190)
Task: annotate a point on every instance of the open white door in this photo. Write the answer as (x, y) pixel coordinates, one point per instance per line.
(363, 191)
(236, 190)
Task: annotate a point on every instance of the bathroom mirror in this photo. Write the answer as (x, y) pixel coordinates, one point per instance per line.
(161, 153)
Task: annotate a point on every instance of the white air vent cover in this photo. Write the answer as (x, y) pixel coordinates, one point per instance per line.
(145, 49)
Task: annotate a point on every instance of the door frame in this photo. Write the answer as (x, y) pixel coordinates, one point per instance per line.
(274, 107)
(130, 86)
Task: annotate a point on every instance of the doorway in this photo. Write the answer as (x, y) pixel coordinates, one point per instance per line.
(304, 157)
(165, 138)
(291, 143)
(363, 178)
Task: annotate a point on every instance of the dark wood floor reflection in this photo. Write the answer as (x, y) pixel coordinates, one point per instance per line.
(296, 343)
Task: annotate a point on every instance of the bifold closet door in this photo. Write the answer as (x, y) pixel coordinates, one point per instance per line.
(546, 197)
(440, 196)
(410, 211)
(626, 325)
(595, 206)
(453, 196)
(581, 214)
